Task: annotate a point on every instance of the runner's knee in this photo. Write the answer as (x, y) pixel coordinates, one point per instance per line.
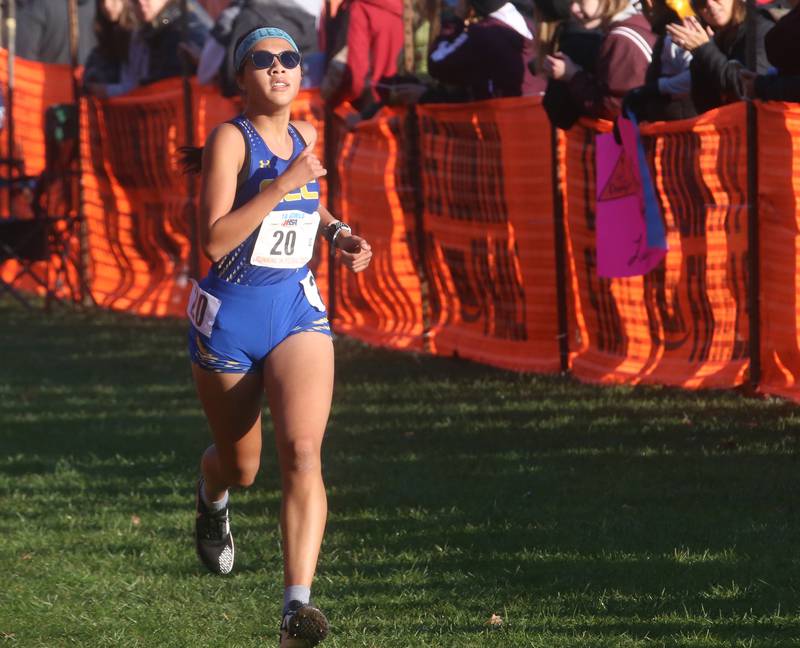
(241, 473)
(301, 456)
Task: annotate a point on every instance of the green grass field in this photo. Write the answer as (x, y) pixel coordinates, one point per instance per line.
(583, 516)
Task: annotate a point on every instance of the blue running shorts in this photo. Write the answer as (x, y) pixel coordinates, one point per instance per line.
(233, 327)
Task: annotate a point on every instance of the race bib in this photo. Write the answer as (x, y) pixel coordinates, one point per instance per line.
(286, 239)
(312, 292)
(202, 309)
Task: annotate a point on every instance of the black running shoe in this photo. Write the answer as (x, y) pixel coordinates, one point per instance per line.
(212, 534)
(304, 626)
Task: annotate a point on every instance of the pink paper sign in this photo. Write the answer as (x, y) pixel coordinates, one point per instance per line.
(622, 249)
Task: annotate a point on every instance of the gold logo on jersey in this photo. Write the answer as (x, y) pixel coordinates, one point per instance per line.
(304, 193)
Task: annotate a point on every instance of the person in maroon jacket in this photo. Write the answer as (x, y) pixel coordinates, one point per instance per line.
(487, 53)
(622, 63)
(374, 41)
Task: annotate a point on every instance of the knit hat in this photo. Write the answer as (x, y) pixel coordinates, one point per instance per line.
(485, 7)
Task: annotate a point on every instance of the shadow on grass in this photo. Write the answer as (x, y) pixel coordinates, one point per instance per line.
(466, 481)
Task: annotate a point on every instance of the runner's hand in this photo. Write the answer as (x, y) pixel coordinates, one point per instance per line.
(560, 67)
(747, 78)
(305, 168)
(356, 253)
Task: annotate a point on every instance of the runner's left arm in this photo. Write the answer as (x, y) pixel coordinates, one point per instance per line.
(355, 252)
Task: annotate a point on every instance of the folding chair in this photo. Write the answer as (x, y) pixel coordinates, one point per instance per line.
(25, 241)
(40, 241)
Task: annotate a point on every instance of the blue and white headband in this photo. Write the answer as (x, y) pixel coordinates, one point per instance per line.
(255, 36)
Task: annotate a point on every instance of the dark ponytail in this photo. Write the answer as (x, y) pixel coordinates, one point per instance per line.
(191, 159)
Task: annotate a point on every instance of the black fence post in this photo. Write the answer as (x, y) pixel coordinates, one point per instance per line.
(85, 293)
(11, 25)
(414, 170)
(561, 252)
(753, 239)
(188, 119)
(331, 178)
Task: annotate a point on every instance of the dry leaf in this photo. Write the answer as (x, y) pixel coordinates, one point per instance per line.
(495, 621)
(26, 556)
(727, 444)
(136, 520)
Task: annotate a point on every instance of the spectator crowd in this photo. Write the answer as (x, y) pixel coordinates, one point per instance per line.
(657, 59)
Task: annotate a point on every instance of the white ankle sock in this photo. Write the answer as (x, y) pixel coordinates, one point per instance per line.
(296, 593)
(213, 506)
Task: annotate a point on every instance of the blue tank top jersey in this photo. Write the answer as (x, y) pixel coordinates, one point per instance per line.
(264, 166)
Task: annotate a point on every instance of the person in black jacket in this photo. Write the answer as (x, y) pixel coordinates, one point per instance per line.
(113, 26)
(162, 35)
(578, 41)
(158, 48)
(719, 50)
(582, 45)
(783, 51)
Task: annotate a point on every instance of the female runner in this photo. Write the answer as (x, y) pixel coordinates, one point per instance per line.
(258, 323)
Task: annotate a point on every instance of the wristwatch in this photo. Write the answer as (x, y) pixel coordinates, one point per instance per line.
(334, 229)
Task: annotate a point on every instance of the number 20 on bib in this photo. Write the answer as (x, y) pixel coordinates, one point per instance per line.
(285, 240)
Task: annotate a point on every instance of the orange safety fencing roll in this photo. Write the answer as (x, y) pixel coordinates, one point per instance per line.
(685, 323)
(779, 232)
(489, 232)
(382, 306)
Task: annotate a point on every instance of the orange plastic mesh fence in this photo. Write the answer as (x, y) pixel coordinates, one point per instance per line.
(684, 323)
(488, 216)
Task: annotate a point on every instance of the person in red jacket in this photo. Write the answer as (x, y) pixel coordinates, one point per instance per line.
(374, 40)
(622, 63)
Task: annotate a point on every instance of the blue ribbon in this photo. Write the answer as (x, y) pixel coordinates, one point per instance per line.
(656, 234)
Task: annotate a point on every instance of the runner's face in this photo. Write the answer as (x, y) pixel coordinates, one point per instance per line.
(277, 84)
(586, 12)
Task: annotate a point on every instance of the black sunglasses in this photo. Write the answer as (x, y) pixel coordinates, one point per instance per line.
(263, 60)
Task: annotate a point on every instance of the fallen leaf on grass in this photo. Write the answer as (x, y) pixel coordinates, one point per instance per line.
(495, 621)
(26, 556)
(136, 520)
